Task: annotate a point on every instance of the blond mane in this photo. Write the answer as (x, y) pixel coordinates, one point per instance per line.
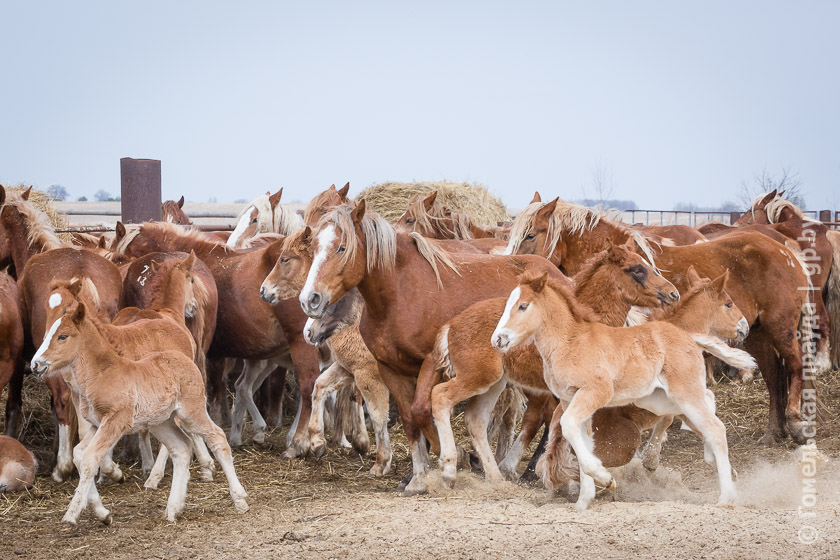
(190, 235)
(41, 235)
(284, 220)
(436, 217)
(572, 219)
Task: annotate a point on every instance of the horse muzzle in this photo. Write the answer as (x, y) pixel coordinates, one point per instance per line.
(315, 304)
(39, 367)
(668, 297)
(500, 341)
(268, 296)
(743, 328)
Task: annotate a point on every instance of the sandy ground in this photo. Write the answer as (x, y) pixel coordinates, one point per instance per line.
(330, 508)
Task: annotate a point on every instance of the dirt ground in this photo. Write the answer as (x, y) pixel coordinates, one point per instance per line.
(331, 508)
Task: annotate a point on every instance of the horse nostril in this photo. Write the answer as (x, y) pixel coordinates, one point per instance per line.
(262, 291)
(675, 295)
(314, 300)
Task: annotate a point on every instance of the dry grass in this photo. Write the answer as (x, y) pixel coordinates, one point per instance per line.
(391, 199)
(44, 202)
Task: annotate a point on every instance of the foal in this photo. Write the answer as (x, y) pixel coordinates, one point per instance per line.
(122, 396)
(588, 365)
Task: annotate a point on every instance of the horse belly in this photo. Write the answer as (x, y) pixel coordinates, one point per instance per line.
(658, 403)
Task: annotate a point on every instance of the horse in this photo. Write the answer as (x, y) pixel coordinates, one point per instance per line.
(610, 283)
(352, 359)
(820, 248)
(246, 326)
(431, 218)
(17, 466)
(173, 212)
(121, 396)
(265, 214)
(323, 201)
(767, 283)
(11, 348)
(587, 365)
(38, 256)
(411, 287)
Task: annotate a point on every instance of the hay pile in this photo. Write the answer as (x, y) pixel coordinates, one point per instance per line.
(391, 199)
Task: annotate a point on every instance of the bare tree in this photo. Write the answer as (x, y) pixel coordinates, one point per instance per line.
(57, 192)
(765, 182)
(601, 183)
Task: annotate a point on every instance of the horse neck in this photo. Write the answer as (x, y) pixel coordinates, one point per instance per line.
(21, 252)
(691, 315)
(600, 293)
(580, 247)
(478, 232)
(787, 214)
(377, 285)
(171, 297)
(97, 356)
(557, 324)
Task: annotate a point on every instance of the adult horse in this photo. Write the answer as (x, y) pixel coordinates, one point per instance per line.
(246, 327)
(173, 212)
(411, 288)
(11, 347)
(820, 248)
(39, 257)
(265, 214)
(431, 218)
(767, 283)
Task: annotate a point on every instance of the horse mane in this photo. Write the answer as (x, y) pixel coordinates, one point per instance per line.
(321, 200)
(571, 219)
(432, 252)
(284, 218)
(261, 240)
(687, 297)
(380, 236)
(580, 311)
(590, 267)
(776, 206)
(193, 238)
(435, 218)
(41, 231)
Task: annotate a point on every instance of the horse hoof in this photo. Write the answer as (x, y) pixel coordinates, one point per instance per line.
(376, 470)
(206, 476)
(107, 520)
(241, 506)
(289, 454)
(405, 482)
(416, 491)
(319, 450)
(259, 437)
(150, 486)
(771, 439)
(448, 480)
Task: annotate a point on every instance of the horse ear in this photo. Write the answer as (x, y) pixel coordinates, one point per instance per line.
(429, 201)
(188, 262)
(332, 187)
(781, 194)
(274, 199)
(358, 212)
(306, 236)
(693, 277)
(537, 284)
(120, 230)
(612, 251)
(342, 192)
(25, 194)
(75, 287)
(719, 283)
(546, 211)
(768, 197)
(79, 314)
(181, 202)
(103, 242)
(537, 197)
(155, 266)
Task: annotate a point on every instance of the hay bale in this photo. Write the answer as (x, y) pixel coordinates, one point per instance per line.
(391, 199)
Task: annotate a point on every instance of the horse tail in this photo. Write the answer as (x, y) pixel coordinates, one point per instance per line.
(442, 360)
(832, 294)
(558, 465)
(717, 348)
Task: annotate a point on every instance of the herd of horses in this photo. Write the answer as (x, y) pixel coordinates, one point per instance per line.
(565, 318)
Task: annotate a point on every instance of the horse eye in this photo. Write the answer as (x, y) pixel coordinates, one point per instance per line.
(62, 337)
(254, 221)
(409, 221)
(530, 237)
(284, 260)
(523, 306)
(341, 249)
(729, 305)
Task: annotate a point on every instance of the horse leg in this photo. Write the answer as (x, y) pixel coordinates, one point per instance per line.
(65, 417)
(531, 422)
(305, 358)
(147, 457)
(377, 398)
(103, 439)
(421, 407)
(14, 401)
(583, 405)
(358, 428)
(477, 417)
(247, 382)
(507, 424)
(658, 436)
(195, 420)
(158, 469)
(759, 346)
(217, 372)
(530, 473)
(276, 388)
(333, 378)
(179, 446)
(206, 465)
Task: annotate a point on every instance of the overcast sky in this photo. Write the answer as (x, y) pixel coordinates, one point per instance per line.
(676, 101)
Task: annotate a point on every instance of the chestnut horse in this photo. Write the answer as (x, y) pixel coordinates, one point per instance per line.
(411, 288)
(431, 218)
(820, 248)
(11, 348)
(17, 466)
(246, 327)
(611, 282)
(265, 214)
(588, 366)
(39, 257)
(121, 396)
(767, 283)
(173, 212)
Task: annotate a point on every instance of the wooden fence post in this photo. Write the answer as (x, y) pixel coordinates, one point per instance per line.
(140, 190)
(825, 215)
(733, 217)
